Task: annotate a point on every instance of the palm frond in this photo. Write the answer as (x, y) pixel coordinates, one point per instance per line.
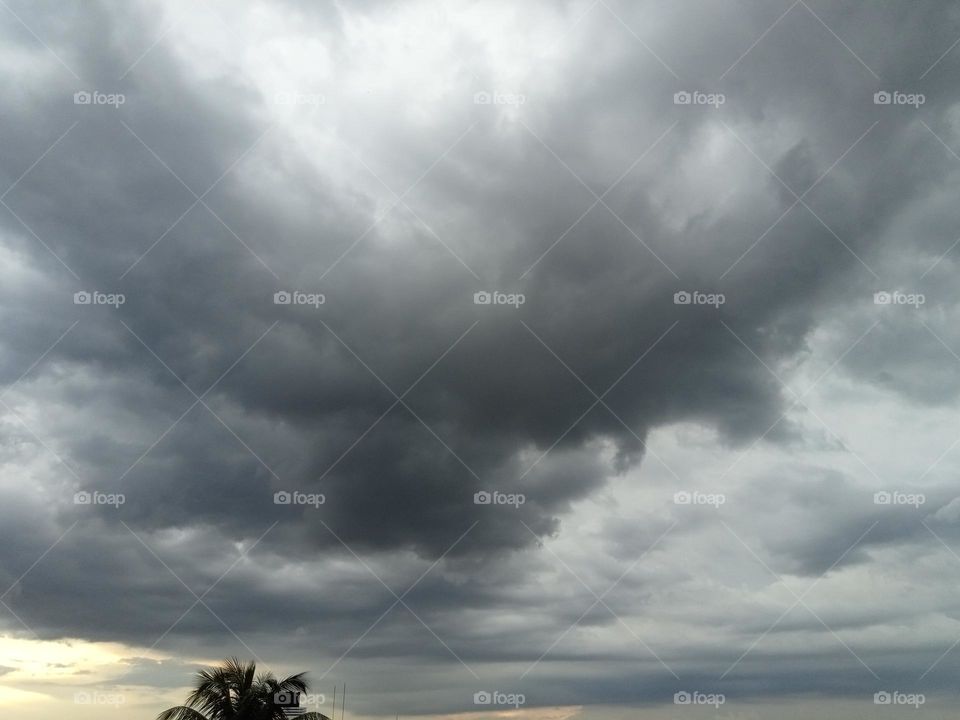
(181, 712)
(214, 693)
(265, 678)
(296, 682)
(234, 690)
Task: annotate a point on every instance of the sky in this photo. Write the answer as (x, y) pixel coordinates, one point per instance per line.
(555, 360)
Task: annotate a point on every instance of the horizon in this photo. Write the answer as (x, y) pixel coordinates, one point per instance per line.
(557, 360)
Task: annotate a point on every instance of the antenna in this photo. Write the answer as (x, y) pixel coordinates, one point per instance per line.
(334, 701)
(343, 701)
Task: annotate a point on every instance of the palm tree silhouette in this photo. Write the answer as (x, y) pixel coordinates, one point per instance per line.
(234, 691)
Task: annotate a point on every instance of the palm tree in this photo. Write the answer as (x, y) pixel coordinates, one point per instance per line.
(234, 691)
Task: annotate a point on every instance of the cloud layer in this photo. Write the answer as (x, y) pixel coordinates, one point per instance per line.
(682, 218)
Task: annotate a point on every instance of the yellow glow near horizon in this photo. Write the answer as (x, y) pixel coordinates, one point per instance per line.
(13, 697)
(43, 675)
(38, 672)
(64, 660)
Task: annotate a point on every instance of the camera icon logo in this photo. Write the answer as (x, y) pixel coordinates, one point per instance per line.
(482, 498)
(882, 498)
(82, 498)
(882, 97)
(681, 298)
(82, 97)
(482, 698)
(882, 698)
(682, 98)
(282, 498)
(882, 298)
(282, 297)
(682, 498)
(286, 698)
(482, 298)
(82, 298)
(482, 98)
(682, 698)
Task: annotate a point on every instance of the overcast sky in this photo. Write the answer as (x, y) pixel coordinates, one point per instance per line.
(594, 354)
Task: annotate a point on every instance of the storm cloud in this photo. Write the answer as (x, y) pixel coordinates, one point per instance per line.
(486, 302)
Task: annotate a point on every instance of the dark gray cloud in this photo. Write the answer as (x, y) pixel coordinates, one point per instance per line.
(399, 398)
